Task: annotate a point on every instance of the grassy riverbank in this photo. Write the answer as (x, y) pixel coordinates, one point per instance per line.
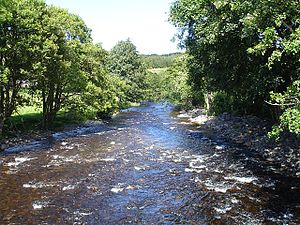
(28, 120)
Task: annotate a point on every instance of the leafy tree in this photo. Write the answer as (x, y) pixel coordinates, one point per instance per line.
(4, 12)
(126, 63)
(61, 76)
(19, 39)
(170, 83)
(179, 91)
(103, 91)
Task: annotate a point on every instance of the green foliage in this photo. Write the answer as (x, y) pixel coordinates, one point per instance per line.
(170, 83)
(289, 102)
(177, 79)
(63, 36)
(48, 62)
(221, 103)
(19, 41)
(243, 49)
(159, 61)
(102, 91)
(125, 62)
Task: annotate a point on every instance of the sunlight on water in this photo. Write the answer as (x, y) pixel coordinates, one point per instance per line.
(143, 167)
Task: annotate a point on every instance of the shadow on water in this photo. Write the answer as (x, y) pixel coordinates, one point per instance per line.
(278, 190)
(281, 187)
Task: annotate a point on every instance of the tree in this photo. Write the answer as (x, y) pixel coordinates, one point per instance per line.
(289, 101)
(126, 63)
(177, 86)
(103, 90)
(4, 12)
(170, 83)
(61, 76)
(19, 39)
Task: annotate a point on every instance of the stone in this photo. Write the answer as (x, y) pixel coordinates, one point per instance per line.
(3, 146)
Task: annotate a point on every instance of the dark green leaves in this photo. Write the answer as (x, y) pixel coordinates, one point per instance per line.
(244, 49)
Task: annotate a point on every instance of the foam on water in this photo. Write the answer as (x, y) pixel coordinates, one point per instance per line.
(217, 186)
(38, 205)
(195, 165)
(118, 188)
(222, 210)
(111, 159)
(38, 185)
(19, 160)
(220, 147)
(241, 179)
(188, 170)
(69, 187)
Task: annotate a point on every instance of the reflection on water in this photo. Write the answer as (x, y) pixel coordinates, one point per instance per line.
(143, 167)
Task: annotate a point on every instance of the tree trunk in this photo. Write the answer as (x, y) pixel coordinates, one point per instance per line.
(47, 120)
(2, 111)
(49, 107)
(1, 125)
(208, 101)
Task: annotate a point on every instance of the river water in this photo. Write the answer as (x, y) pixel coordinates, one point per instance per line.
(145, 166)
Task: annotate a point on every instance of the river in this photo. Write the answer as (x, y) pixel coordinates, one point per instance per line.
(145, 166)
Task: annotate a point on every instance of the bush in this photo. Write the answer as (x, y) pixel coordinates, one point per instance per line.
(221, 103)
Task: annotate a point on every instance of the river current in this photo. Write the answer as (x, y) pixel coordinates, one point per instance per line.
(145, 166)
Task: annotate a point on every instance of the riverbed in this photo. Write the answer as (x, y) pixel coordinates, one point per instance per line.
(145, 166)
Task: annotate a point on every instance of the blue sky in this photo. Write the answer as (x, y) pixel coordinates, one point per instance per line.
(143, 21)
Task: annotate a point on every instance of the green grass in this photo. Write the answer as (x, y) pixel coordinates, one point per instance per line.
(28, 120)
(23, 124)
(25, 120)
(158, 70)
(25, 110)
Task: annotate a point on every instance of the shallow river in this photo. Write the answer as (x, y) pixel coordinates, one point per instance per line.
(145, 166)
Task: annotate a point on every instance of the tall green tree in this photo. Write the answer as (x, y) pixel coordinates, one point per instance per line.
(61, 75)
(19, 41)
(126, 63)
(103, 91)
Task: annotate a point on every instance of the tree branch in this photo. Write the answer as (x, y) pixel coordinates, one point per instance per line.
(297, 101)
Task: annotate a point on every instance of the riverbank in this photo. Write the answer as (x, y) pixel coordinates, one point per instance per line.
(251, 132)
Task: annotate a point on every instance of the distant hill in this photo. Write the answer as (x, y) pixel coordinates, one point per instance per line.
(159, 61)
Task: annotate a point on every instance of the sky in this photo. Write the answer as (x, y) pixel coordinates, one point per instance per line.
(143, 21)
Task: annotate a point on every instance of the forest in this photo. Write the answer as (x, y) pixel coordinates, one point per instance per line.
(241, 57)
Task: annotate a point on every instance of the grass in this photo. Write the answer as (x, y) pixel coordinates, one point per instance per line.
(25, 110)
(28, 120)
(158, 70)
(25, 124)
